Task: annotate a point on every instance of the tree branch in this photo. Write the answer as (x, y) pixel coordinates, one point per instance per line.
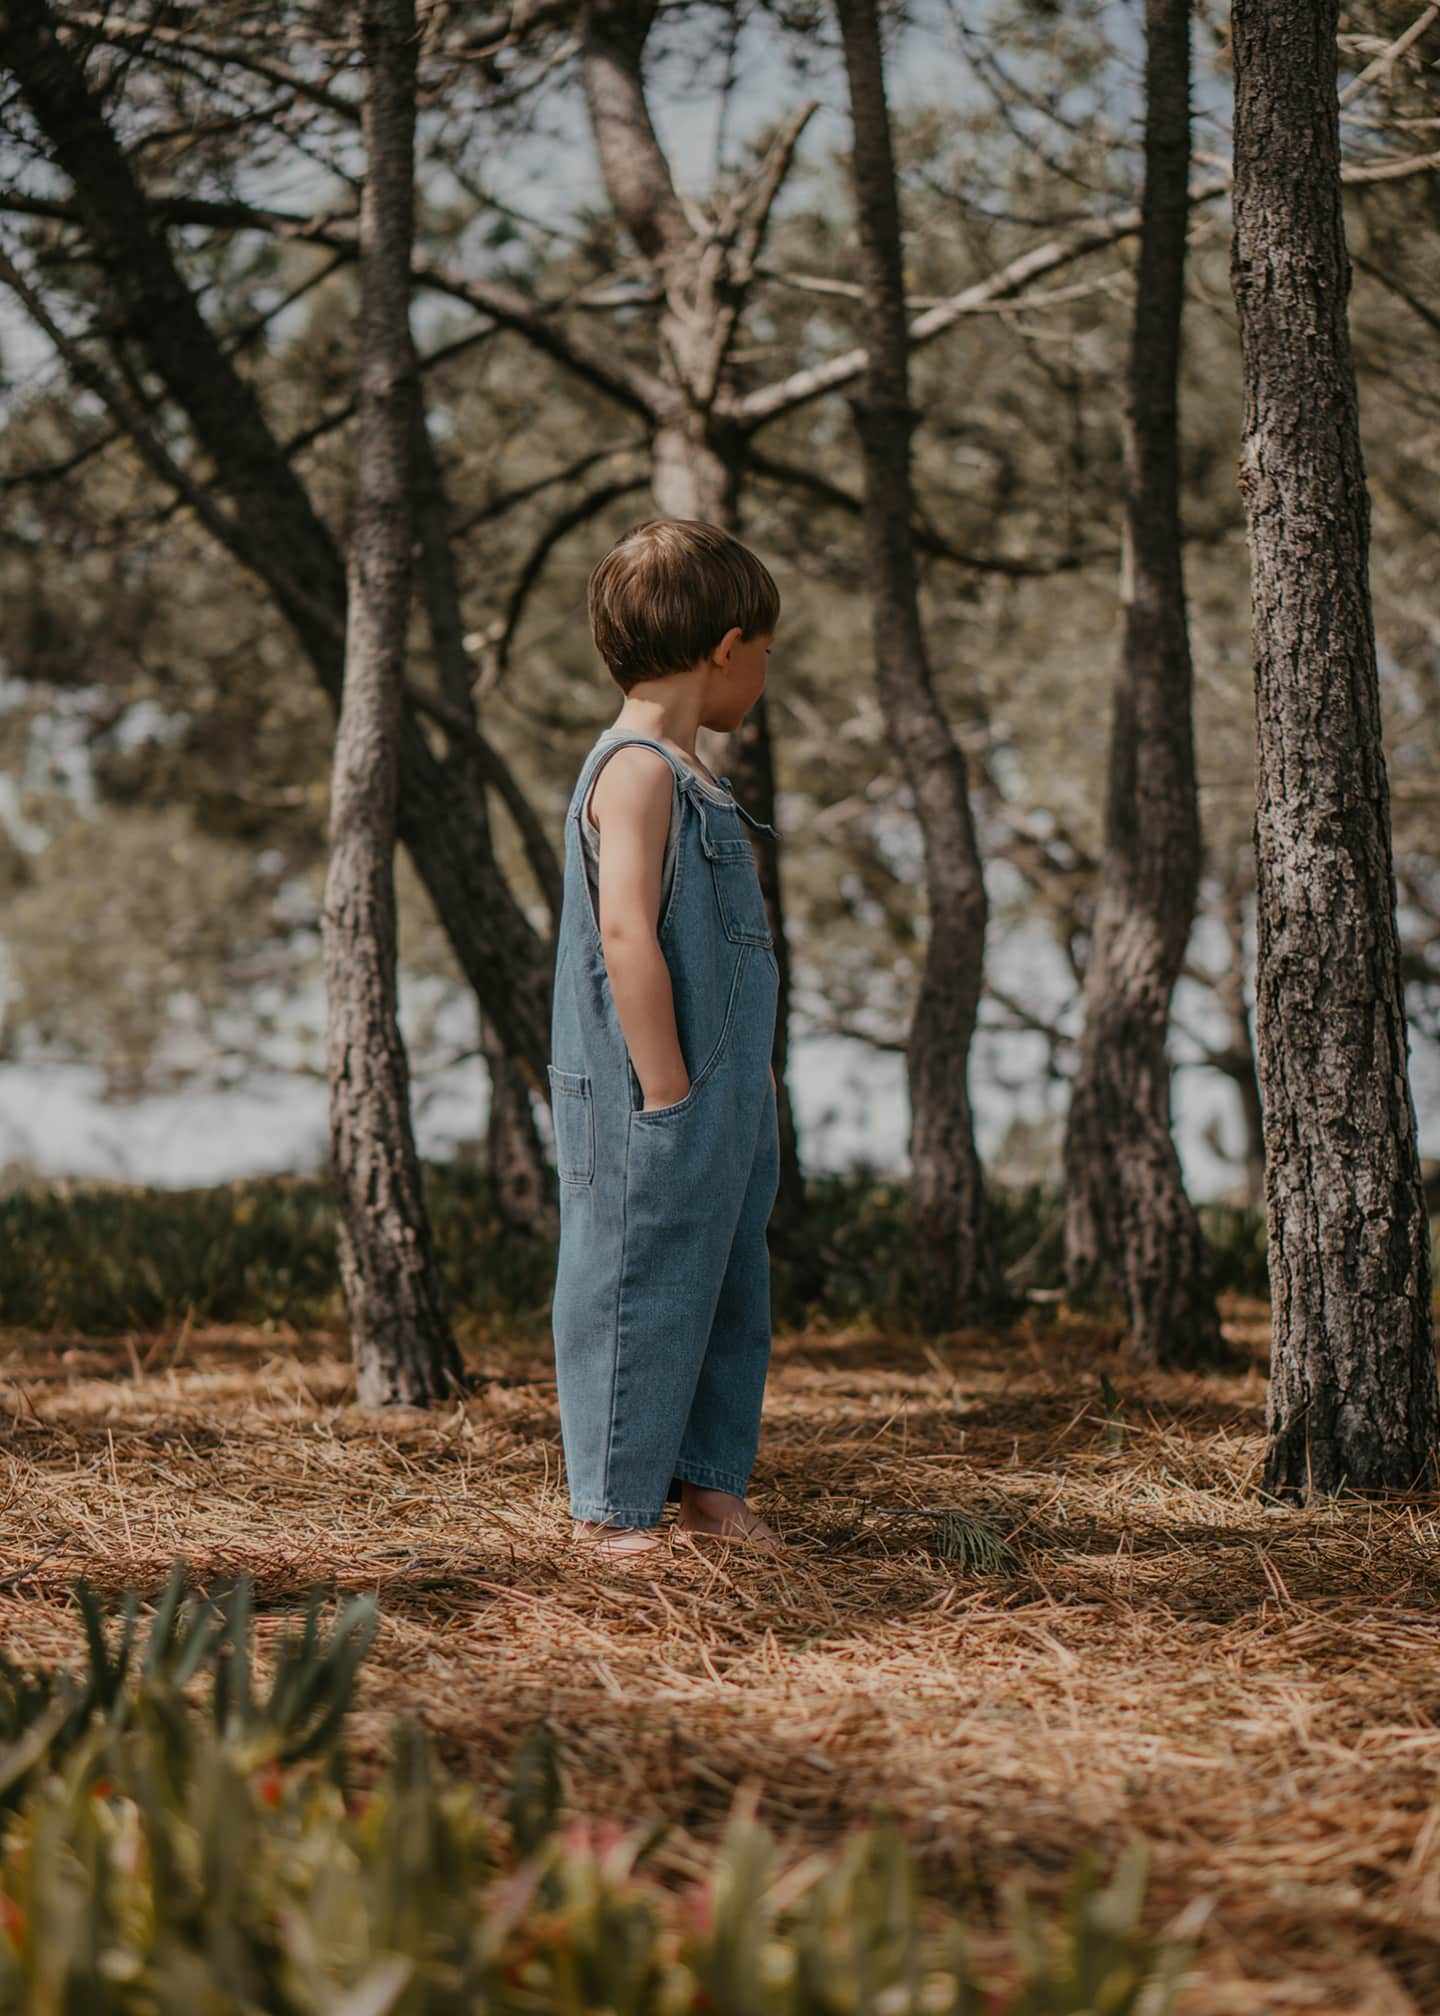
(1387, 56)
(771, 402)
(131, 416)
(632, 161)
(594, 360)
(498, 774)
(1416, 306)
(1023, 1019)
(499, 506)
(125, 34)
(926, 540)
(588, 507)
(738, 242)
(52, 472)
(1390, 171)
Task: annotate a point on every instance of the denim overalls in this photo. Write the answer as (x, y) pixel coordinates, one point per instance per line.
(662, 1293)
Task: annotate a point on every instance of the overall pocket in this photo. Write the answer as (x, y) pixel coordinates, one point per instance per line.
(738, 893)
(707, 1069)
(573, 1118)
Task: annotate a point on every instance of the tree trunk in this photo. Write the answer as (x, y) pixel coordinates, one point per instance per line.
(1353, 1396)
(704, 281)
(1127, 1215)
(1240, 1067)
(399, 1334)
(693, 479)
(959, 1274)
(524, 1183)
(752, 768)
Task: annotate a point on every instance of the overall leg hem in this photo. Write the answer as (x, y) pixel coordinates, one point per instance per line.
(710, 1479)
(617, 1515)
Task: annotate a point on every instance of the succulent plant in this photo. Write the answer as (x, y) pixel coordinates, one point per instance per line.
(164, 1862)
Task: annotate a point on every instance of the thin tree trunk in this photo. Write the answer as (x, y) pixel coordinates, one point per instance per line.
(523, 1177)
(693, 479)
(1240, 1067)
(697, 457)
(399, 1333)
(525, 1194)
(1353, 1397)
(752, 767)
(959, 1274)
(1128, 1219)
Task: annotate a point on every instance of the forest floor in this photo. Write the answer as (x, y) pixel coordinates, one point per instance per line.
(1255, 1691)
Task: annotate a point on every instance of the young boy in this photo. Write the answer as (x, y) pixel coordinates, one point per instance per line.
(662, 1096)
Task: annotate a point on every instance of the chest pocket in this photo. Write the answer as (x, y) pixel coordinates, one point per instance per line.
(737, 880)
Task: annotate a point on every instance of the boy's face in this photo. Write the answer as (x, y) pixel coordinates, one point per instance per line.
(737, 668)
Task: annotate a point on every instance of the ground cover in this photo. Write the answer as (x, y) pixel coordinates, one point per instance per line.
(1254, 1690)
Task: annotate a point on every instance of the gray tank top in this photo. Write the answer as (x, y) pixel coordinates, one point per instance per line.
(590, 833)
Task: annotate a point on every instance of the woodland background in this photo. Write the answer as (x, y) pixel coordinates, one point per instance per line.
(1145, 1633)
(162, 812)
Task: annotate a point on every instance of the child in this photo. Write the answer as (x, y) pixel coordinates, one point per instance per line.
(662, 1097)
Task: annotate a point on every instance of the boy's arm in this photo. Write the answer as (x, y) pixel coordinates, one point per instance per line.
(631, 807)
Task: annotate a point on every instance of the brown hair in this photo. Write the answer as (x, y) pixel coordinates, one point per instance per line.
(665, 594)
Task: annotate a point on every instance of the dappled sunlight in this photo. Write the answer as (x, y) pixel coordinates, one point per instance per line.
(1252, 1689)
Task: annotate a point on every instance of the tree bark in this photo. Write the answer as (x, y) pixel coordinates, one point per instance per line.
(1128, 1219)
(523, 1177)
(273, 528)
(1353, 1397)
(525, 1195)
(694, 479)
(696, 457)
(960, 1278)
(400, 1336)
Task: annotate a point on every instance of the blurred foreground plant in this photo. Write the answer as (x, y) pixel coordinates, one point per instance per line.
(161, 1861)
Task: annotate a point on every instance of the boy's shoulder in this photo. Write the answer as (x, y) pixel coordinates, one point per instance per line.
(633, 775)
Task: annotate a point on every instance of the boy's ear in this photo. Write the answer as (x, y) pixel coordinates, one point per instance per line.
(721, 654)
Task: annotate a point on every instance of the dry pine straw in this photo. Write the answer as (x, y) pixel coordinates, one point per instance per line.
(1254, 1691)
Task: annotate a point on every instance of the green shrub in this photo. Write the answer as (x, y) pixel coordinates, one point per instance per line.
(98, 1260)
(44, 1714)
(1238, 1245)
(160, 1862)
(859, 1225)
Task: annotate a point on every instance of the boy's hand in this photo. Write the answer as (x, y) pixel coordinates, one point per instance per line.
(655, 1100)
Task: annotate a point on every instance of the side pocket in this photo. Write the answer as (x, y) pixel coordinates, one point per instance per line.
(638, 1115)
(573, 1119)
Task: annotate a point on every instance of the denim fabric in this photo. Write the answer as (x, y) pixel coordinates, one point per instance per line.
(661, 1313)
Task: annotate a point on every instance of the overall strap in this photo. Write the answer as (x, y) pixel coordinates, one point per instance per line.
(601, 753)
(684, 775)
(759, 824)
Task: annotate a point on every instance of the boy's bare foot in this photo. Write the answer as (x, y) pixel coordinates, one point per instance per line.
(613, 1542)
(719, 1515)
